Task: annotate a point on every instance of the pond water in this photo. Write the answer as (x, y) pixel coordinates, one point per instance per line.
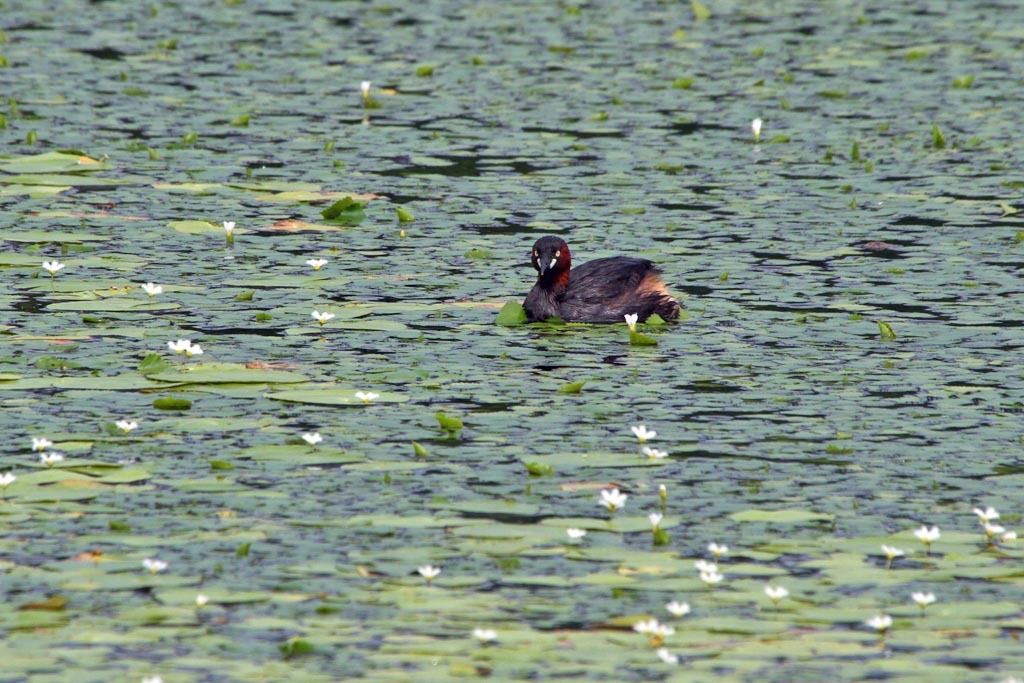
(848, 367)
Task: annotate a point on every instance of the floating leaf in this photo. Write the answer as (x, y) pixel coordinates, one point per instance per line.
(333, 396)
(171, 403)
(780, 516)
(404, 215)
(572, 387)
(192, 227)
(346, 211)
(52, 162)
(152, 364)
(296, 646)
(511, 314)
(67, 180)
(450, 424)
(536, 469)
(641, 339)
(54, 602)
(226, 373)
(45, 236)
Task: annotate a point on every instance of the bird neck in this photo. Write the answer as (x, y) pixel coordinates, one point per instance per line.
(555, 280)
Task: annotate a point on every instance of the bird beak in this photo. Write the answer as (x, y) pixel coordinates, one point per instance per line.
(548, 265)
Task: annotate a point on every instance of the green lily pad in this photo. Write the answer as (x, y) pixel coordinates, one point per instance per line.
(43, 236)
(225, 373)
(66, 180)
(781, 516)
(193, 227)
(511, 313)
(52, 162)
(333, 396)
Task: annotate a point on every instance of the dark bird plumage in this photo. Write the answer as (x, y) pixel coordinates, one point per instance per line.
(604, 290)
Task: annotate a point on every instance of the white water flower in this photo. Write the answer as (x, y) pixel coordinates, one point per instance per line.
(717, 550)
(927, 534)
(655, 519)
(364, 88)
(654, 453)
(50, 459)
(923, 599)
(1009, 536)
(41, 443)
(201, 600)
(153, 565)
(631, 319)
(986, 515)
(646, 627)
(366, 396)
(993, 530)
(642, 433)
(755, 128)
(705, 566)
(152, 679)
(662, 631)
(229, 228)
(576, 534)
(653, 628)
(711, 578)
(892, 552)
(52, 267)
(663, 494)
(185, 346)
(429, 572)
(678, 609)
(613, 499)
(317, 263)
(775, 593)
(312, 438)
(880, 622)
(126, 425)
(485, 635)
(152, 290)
(322, 317)
(666, 656)
(6, 479)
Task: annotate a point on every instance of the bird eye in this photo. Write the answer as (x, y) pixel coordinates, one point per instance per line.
(535, 254)
(558, 253)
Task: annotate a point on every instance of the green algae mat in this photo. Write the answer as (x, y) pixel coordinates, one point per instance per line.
(270, 415)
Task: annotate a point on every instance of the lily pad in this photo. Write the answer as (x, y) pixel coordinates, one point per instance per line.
(333, 396)
(226, 373)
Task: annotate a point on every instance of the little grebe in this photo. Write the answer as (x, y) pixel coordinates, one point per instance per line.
(601, 291)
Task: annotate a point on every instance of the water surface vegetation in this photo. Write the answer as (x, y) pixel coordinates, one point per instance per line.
(320, 444)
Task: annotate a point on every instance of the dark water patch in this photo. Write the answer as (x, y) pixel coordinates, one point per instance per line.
(105, 53)
(683, 206)
(692, 127)
(713, 387)
(580, 134)
(919, 220)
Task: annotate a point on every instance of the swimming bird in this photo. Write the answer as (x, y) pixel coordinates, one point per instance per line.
(604, 290)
